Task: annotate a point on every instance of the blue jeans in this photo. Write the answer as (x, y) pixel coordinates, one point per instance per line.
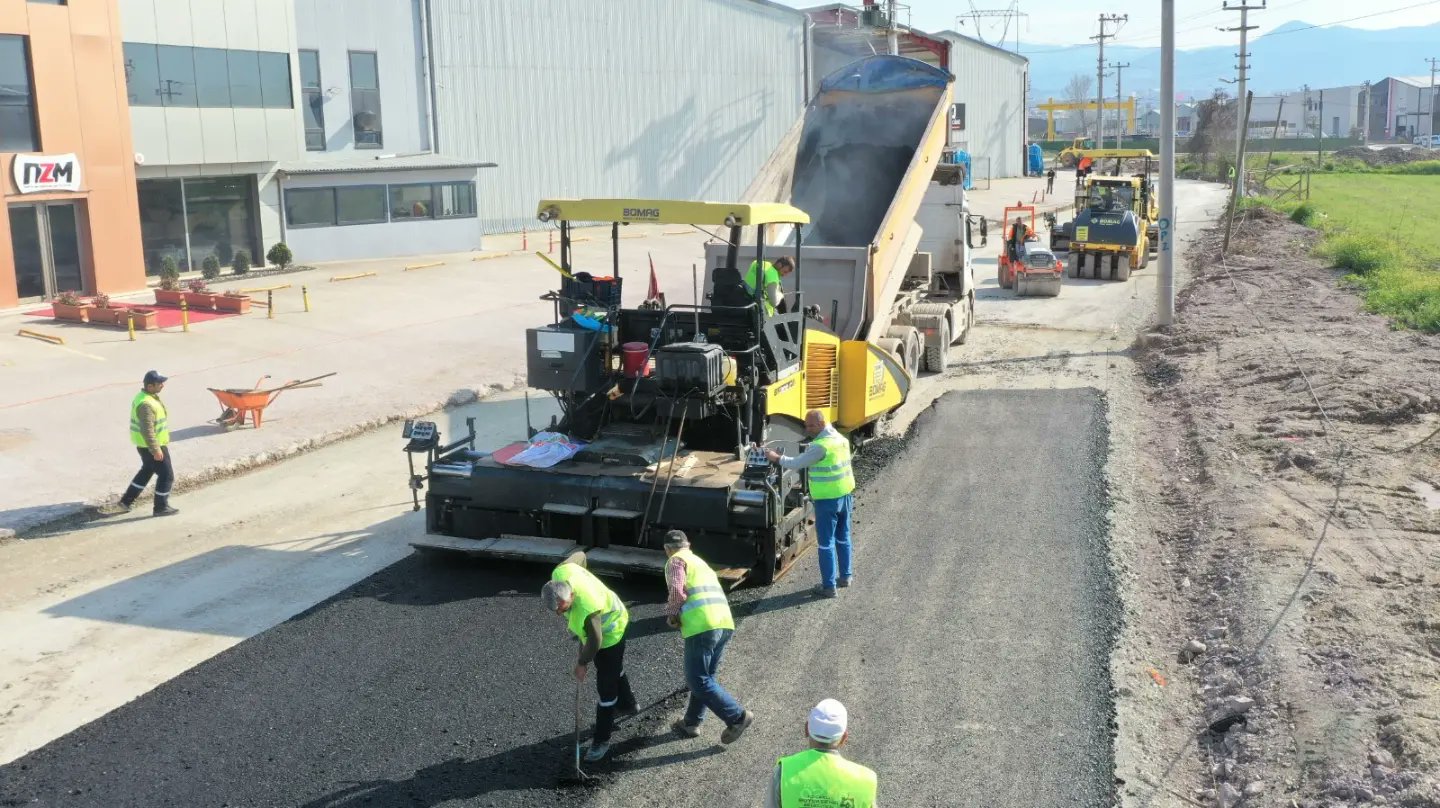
(832, 532)
(702, 659)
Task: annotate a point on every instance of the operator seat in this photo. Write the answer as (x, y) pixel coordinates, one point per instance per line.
(728, 288)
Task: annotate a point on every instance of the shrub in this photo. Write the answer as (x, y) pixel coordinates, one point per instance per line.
(199, 286)
(210, 267)
(68, 298)
(234, 293)
(1304, 213)
(101, 301)
(280, 255)
(1361, 255)
(169, 274)
(242, 262)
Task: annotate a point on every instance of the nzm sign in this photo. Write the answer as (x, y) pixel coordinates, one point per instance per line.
(35, 174)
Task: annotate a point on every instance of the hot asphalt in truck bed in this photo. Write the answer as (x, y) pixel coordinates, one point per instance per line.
(972, 653)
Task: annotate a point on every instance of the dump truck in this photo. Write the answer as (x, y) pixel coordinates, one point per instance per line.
(665, 408)
(891, 236)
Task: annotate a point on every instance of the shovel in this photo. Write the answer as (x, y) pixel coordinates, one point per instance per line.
(578, 776)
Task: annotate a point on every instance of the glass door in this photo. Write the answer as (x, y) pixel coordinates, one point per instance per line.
(45, 239)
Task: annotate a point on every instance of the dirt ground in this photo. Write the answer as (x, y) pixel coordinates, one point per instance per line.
(1293, 584)
(1388, 157)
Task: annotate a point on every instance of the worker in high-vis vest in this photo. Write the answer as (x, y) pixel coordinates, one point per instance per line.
(597, 617)
(820, 777)
(698, 607)
(150, 435)
(832, 482)
(770, 274)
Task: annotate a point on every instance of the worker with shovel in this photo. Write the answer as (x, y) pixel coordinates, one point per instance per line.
(697, 606)
(597, 617)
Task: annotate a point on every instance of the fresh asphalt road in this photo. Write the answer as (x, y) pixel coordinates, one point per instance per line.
(972, 652)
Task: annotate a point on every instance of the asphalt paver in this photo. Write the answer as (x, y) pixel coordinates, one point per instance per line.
(972, 653)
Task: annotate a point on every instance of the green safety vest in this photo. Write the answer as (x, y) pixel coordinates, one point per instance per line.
(832, 477)
(162, 420)
(592, 596)
(706, 608)
(772, 275)
(816, 779)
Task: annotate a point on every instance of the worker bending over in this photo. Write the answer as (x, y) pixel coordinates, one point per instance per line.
(698, 607)
(597, 617)
(819, 777)
(771, 273)
(831, 484)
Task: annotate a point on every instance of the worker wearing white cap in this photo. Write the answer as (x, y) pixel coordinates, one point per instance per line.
(819, 777)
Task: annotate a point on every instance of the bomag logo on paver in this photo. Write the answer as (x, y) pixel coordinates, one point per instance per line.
(642, 213)
(877, 381)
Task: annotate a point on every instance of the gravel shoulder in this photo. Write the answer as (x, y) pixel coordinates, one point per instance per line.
(1298, 539)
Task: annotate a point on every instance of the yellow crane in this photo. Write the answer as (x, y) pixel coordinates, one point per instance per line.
(1052, 106)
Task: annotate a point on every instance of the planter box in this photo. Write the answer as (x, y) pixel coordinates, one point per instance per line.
(145, 319)
(240, 305)
(200, 300)
(80, 313)
(169, 297)
(115, 316)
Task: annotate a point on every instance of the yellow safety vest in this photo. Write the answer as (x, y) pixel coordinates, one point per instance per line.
(162, 420)
(592, 596)
(772, 275)
(706, 608)
(816, 779)
(832, 477)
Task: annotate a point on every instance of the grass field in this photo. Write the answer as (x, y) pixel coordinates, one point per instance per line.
(1380, 227)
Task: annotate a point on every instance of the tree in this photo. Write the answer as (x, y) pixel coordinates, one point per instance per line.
(1079, 91)
(1213, 133)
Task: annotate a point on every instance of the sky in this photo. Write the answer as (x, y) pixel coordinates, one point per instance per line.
(1060, 22)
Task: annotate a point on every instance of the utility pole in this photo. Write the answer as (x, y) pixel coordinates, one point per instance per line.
(1365, 121)
(1119, 110)
(1165, 306)
(1105, 19)
(893, 36)
(1433, 62)
(1320, 131)
(1244, 7)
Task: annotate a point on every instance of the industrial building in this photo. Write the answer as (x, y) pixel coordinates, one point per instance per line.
(372, 128)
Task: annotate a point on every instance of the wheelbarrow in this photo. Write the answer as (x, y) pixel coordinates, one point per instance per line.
(236, 404)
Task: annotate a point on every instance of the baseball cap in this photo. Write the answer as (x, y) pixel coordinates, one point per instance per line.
(827, 721)
(154, 377)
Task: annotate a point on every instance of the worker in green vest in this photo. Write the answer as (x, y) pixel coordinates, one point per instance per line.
(819, 777)
(832, 482)
(597, 617)
(698, 607)
(771, 273)
(150, 435)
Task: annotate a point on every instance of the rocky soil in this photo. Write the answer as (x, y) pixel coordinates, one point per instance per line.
(1293, 450)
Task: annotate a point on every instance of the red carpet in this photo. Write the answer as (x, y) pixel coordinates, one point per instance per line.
(165, 316)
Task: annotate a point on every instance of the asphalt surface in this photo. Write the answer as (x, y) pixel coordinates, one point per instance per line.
(972, 654)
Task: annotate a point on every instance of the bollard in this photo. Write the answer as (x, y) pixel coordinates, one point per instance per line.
(184, 315)
(130, 321)
(525, 239)
(305, 295)
(552, 242)
(270, 305)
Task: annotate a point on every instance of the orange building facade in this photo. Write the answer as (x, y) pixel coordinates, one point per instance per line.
(72, 219)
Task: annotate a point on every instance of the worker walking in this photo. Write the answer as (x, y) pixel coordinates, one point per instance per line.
(820, 777)
(1050, 180)
(771, 275)
(150, 434)
(831, 483)
(597, 617)
(698, 607)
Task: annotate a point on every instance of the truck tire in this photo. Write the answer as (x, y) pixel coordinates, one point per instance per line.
(1144, 256)
(1000, 275)
(937, 358)
(914, 351)
(1122, 268)
(1073, 270)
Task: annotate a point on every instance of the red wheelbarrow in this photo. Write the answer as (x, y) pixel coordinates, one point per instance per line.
(236, 404)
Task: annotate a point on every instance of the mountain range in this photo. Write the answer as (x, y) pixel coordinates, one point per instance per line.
(1284, 59)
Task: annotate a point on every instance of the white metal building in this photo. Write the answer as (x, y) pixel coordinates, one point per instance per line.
(991, 82)
(647, 98)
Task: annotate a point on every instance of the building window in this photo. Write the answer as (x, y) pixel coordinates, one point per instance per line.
(177, 76)
(197, 217)
(366, 204)
(365, 100)
(275, 80)
(310, 207)
(142, 75)
(245, 79)
(18, 132)
(360, 204)
(312, 98)
(212, 77)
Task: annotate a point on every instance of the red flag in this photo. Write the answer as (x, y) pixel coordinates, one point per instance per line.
(654, 293)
